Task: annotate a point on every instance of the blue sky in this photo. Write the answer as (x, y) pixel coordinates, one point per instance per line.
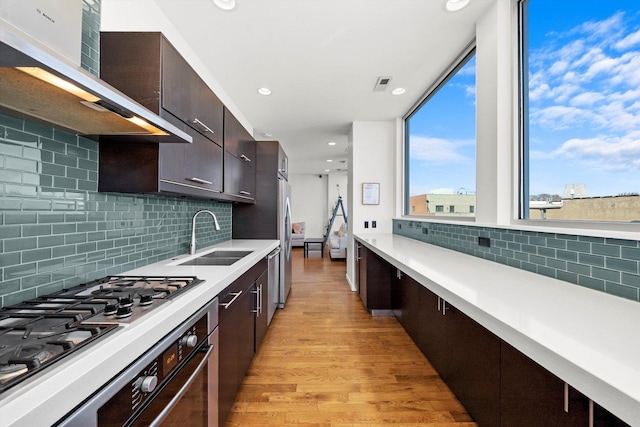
(442, 137)
(584, 88)
(584, 91)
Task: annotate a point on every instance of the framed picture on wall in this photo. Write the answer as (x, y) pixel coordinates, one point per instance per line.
(370, 193)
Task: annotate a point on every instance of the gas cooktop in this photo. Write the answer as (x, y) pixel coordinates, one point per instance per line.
(37, 333)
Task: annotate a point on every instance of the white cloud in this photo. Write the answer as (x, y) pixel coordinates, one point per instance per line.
(558, 117)
(629, 41)
(586, 99)
(602, 28)
(559, 67)
(600, 66)
(437, 150)
(604, 152)
(628, 70)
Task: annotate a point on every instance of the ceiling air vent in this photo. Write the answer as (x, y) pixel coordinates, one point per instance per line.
(382, 84)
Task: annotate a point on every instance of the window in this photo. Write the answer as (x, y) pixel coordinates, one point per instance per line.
(440, 144)
(472, 209)
(452, 209)
(581, 120)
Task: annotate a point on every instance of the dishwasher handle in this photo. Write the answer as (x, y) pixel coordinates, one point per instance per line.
(273, 253)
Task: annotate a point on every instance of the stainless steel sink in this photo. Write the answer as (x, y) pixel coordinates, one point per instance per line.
(203, 260)
(221, 257)
(226, 254)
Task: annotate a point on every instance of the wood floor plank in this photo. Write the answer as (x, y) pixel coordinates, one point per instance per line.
(325, 362)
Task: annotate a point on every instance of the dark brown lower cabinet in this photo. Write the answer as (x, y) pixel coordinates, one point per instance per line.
(532, 396)
(237, 328)
(465, 354)
(374, 280)
(236, 344)
(260, 289)
(472, 367)
(497, 384)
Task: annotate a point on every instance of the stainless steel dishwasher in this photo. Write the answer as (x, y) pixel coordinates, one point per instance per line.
(273, 282)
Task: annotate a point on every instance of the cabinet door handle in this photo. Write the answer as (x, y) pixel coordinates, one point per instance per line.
(566, 397)
(442, 306)
(258, 293)
(235, 297)
(206, 128)
(200, 180)
(245, 193)
(245, 158)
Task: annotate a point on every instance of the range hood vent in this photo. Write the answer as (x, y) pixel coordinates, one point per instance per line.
(38, 83)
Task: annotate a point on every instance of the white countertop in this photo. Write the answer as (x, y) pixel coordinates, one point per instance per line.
(589, 339)
(44, 399)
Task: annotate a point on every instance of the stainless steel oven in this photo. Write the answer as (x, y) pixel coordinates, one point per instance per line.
(174, 383)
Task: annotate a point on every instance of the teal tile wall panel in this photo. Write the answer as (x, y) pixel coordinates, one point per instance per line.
(608, 265)
(56, 230)
(90, 50)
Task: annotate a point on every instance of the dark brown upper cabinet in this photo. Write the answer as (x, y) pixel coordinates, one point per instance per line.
(146, 67)
(239, 159)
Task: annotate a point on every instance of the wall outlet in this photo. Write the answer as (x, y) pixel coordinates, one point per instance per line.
(373, 224)
(366, 224)
(484, 241)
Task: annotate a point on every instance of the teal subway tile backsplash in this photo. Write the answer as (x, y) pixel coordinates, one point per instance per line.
(608, 265)
(62, 232)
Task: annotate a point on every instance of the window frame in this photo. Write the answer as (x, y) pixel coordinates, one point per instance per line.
(460, 61)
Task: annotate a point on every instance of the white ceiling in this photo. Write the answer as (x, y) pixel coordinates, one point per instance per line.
(321, 59)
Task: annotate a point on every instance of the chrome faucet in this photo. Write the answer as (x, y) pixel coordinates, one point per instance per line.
(192, 245)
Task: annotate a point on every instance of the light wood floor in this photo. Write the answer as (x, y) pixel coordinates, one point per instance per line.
(326, 362)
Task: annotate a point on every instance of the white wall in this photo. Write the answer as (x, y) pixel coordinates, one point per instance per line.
(309, 202)
(313, 198)
(495, 130)
(372, 154)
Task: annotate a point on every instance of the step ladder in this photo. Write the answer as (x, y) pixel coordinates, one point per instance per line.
(333, 218)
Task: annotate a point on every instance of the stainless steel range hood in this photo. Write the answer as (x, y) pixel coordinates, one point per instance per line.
(38, 83)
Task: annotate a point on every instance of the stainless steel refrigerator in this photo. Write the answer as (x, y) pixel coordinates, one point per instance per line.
(270, 216)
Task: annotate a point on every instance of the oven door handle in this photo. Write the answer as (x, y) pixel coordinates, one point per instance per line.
(183, 389)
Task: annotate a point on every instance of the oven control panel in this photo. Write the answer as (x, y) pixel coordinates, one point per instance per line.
(144, 385)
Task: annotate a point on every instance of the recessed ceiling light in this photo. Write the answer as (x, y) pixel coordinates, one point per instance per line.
(264, 91)
(225, 4)
(331, 143)
(398, 91)
(329, 160)
(455, 5)
(268, 135)
(327, 170)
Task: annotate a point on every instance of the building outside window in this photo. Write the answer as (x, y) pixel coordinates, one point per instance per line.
(581, 103)
(440, 144)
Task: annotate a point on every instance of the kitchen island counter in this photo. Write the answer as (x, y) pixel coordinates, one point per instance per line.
(589, 339)
(47, 397)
